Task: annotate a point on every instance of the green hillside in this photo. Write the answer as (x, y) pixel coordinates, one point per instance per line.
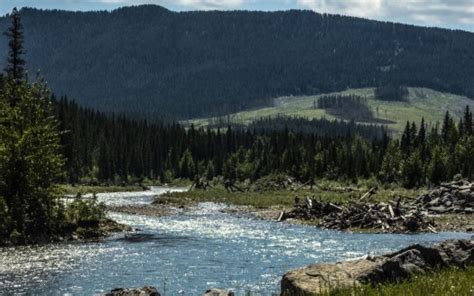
(422, 102)
(148, 62)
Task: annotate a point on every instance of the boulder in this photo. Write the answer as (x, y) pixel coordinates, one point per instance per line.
(416, 259)
(218, 292)
(145, 291)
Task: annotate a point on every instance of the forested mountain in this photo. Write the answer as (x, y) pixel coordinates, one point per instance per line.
(147, 61)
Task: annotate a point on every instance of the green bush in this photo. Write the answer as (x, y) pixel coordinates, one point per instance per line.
(80, 210)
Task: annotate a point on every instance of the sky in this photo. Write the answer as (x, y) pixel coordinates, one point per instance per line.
(452, 14)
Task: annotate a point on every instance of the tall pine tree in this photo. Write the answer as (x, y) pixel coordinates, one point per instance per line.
(30, 160)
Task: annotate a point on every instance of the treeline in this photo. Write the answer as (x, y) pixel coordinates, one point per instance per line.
(349, 107)
(146, 61)
(318, 127)
(430, 156)
(115, 149)
(391, 92)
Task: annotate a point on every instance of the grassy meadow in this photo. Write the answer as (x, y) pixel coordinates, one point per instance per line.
(422, 102)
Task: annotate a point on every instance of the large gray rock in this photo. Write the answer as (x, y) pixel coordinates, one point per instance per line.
(416, 259)
(145, 291)
(218, 292)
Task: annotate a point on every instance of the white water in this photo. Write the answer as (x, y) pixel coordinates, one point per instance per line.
(187, 254)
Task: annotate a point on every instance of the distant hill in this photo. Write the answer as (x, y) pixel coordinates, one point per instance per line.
(147, 61)
(421, 103)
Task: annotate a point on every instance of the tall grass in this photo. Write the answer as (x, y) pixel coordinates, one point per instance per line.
(448, 282)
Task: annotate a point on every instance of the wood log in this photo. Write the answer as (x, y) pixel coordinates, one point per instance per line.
(431, 228)
(392, 214)
(335, 207)
(302, 185)
(368, 193)
(281, 216)
(238, 188)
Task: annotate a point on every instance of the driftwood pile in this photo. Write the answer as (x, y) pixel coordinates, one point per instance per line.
(454, 197)
(393, 216)
(386, 217)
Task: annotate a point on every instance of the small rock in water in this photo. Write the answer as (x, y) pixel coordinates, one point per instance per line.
(218, 292)
(145, 291)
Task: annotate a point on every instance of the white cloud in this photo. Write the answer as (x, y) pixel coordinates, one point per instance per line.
(444, 13)
(362, 8)
(422, 12)
(190, 4)
(211, 4)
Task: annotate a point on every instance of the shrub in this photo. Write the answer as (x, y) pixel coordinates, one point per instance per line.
(80, 210)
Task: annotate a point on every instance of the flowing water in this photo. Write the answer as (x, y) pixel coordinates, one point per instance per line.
(186, 254)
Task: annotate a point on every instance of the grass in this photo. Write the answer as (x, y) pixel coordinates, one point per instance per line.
(84, 189)
(326, 191)
(422, 102)
(449, 282)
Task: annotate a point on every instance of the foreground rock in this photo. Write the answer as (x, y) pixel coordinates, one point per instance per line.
(218, 292)
(416, 259)
(145, 291)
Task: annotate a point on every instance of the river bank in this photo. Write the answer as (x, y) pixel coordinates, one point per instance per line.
(436, 209)
(363, 275)
(189, 251)
(70, 189)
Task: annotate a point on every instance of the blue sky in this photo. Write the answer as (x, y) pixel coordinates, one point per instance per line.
(453, 14)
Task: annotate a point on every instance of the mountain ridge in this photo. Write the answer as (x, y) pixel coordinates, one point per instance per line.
(148, 61)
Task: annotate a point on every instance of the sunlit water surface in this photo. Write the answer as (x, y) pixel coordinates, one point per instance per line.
(187, 254)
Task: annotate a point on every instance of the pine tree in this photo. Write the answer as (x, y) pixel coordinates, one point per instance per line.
(405, 143)
(447, 129)
(391, 164)
(437, 167)
(187, 167)
(15, 67)
(468, 122)
(30, 159)
(412, 171)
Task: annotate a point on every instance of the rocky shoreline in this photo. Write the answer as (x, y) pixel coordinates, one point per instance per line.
(401, 265)
(152, 291)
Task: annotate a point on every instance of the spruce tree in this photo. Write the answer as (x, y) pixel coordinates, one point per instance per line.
(15, 67)
(467, 122)
(30, 159)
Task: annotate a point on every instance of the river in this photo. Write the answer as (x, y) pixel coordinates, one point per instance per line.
(186, 254)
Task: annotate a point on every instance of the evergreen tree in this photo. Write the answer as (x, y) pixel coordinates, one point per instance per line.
(30, 159)
(187, 167)
(437, 167)
(15, 67)
(412, 171)
(468, 124)
(405, 143)
(391, 164)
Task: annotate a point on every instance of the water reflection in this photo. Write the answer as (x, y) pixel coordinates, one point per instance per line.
(187, 254)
